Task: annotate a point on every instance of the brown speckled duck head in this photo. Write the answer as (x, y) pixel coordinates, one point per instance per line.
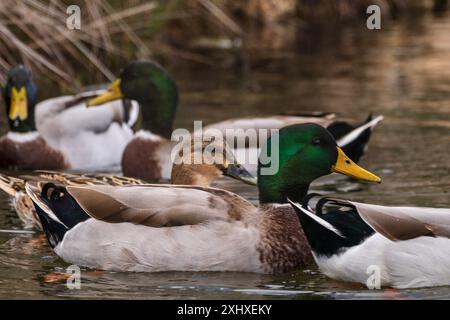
(200, 162)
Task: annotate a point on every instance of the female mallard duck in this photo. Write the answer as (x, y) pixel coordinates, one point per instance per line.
(405, 247)
(184, 172)
(191, 228)
(15, 188)
(157, 97)
(61, 133)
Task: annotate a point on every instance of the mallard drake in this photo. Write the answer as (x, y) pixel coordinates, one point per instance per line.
(184, 172)
(153, 89)
(401, 247)
(60, 133)
(191, 228)
(147, 155)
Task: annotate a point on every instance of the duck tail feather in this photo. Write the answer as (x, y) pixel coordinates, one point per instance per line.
(54, 229)
(11, 185)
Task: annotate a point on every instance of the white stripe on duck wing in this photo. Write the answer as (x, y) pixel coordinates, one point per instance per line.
(410, 246)
(60, 133)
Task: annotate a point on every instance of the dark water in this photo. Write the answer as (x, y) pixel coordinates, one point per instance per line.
(402, 72)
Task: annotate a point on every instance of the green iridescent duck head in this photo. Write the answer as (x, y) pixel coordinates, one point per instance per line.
(153, 88)
(304, 152)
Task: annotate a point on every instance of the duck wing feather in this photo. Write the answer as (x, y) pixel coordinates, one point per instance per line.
(160, 205)
(403, 223)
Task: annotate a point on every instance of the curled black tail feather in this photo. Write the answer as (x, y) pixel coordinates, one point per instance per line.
(308, 198)
(54, 230)
(63, 205)
(339, 129)
(331, 232)
(67, 212)
(320, 205)
(322, 202)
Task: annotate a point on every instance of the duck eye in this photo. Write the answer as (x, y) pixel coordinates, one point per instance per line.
(316, 141)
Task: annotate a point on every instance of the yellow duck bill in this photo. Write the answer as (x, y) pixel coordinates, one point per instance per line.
(19, 104)
(113, 93)
(344, 165)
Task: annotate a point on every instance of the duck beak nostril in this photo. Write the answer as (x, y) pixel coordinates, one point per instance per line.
(347, 167)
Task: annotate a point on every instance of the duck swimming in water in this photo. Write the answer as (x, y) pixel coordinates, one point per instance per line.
(190, 228)
(402, 247)
(61, 133)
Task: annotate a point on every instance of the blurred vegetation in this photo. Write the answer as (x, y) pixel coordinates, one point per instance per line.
(173, 31)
